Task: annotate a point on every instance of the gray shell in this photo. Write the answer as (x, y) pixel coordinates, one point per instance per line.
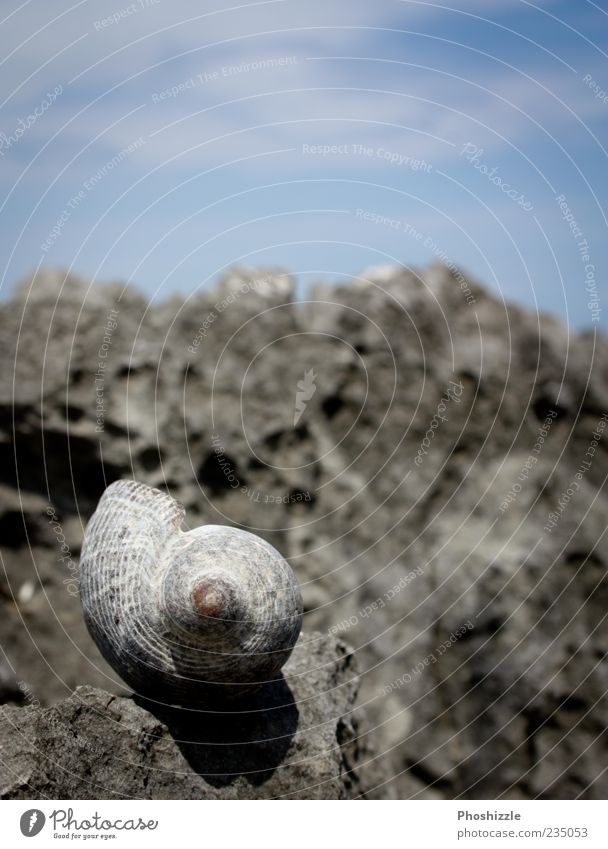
(190, 618)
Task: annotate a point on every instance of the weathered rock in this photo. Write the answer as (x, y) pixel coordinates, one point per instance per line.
(296, 739)
(197, 397)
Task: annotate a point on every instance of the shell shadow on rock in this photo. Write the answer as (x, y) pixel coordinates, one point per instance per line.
(251, 742)
(197, 619)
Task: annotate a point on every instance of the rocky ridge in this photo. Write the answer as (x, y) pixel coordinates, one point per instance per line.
(403, 496)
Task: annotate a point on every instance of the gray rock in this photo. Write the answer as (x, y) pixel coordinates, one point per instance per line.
(514, 706)
(296, 739)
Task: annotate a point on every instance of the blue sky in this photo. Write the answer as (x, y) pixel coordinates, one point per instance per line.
(428, 113)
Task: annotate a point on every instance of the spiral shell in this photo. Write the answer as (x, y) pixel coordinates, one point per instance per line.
(192, 618)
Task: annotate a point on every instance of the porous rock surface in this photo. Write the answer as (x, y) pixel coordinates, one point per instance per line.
(296, 739)
(197, 397)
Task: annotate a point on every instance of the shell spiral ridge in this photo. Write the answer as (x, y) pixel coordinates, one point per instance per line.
(191, 618)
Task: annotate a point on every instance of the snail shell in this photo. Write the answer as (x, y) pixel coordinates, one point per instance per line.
(190, 618)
